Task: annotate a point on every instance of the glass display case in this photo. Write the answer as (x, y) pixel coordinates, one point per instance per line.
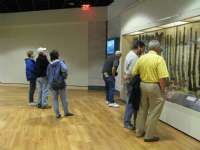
(181, 51)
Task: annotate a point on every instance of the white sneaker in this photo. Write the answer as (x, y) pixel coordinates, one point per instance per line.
(107, 102)
(32, 104)
(113, 105)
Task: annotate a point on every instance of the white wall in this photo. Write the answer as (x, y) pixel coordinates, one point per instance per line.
(131, 15)
(114, 16)
(115, 11)
(15, 41)
(54, 16)
(151, 13)
(96, 48)
(65, 30)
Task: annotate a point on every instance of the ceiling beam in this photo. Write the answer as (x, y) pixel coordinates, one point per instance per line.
(18, 5)
(63, 4)
(33, 5)
(30, 5)
(49, 4)
(4, 5)
(2, 1)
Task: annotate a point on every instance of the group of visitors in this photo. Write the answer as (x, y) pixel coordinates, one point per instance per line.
(145, 77)
(47, 76)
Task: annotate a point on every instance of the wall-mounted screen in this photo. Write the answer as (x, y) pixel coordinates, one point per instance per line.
(112, 46)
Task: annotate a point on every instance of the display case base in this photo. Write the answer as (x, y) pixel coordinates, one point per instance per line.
(182, 118)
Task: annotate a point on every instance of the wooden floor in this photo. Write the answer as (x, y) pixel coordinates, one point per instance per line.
(94, 126)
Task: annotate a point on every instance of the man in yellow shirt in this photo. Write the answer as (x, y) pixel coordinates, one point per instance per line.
(153, 73)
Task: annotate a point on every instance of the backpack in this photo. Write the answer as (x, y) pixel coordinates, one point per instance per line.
(58, 78)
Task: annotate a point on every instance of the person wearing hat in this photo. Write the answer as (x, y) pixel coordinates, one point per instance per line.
(109, 72)
(41, 69)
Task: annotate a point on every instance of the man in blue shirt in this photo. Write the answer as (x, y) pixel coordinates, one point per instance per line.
(31, 76)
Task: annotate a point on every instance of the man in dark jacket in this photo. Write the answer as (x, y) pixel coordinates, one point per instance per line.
(41, 69)
(109, 72)
(31, 76)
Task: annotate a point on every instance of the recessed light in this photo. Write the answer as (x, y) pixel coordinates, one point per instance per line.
(173, 24)
(152, 29)
(137, 32)
(193, 19)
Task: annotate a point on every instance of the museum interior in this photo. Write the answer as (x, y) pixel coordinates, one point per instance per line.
(67, 67)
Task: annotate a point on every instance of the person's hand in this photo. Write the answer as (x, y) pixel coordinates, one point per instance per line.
(113, 77)
(125, 77)
(164, 94)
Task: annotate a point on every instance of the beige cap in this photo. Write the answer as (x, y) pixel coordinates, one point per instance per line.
(118, 53)
(41, 49)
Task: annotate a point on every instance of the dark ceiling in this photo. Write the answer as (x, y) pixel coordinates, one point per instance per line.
(36, 5)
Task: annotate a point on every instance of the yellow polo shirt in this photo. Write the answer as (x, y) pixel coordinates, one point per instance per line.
(151, 67)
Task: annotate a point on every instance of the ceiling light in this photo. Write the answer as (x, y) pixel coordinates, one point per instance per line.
(137, 32)
(152, 29)
(193, 19)
(173, 24)
(168, 18)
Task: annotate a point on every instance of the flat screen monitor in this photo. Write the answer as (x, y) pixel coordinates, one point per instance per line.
(112, 46)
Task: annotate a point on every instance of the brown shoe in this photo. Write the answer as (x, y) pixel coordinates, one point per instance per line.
(140, 135)
(154, 139)
(69, 114)
(46, 107)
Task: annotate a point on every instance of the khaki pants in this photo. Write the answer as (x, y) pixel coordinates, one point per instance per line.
(150, 109)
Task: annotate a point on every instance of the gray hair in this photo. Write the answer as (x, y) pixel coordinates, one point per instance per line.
(154, 44)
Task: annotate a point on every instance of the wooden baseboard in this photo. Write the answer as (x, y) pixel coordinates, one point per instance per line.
(96, 88)
(14, 84)
(71, 87)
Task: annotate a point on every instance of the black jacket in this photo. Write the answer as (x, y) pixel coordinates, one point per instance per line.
(136, 92)
(41, 66)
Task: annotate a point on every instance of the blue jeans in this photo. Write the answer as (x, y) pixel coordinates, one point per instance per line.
(63, 97)
(129, 107)
(110, 88)
(32, 84)
(42, 91)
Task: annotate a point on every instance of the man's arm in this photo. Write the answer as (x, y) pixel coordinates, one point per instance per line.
(125, 69)
(37, 67)
(114, 68)
(47, 72)
(64, 69)
(113, 71)
(162, 83)
(131, 66)
(135, 69)
(163, 74)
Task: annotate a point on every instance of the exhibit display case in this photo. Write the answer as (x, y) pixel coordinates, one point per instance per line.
(180, 42)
